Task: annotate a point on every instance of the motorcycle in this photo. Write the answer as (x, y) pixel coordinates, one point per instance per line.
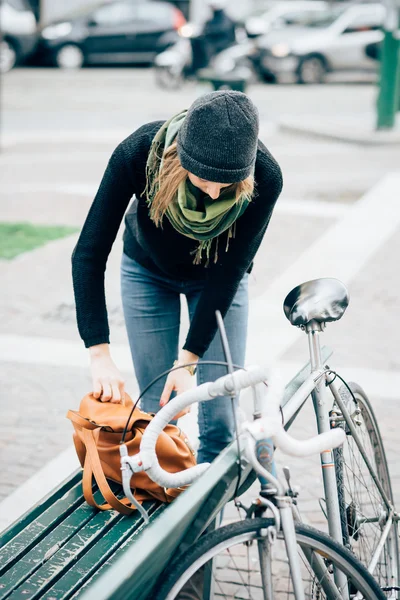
(174, 65)
(242, 57)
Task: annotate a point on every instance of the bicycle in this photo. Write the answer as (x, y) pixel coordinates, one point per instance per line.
(360, 512)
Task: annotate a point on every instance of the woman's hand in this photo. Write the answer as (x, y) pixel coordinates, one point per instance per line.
(179, 381)
(108, 383)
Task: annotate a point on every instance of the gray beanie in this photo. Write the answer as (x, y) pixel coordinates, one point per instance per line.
(218, 138)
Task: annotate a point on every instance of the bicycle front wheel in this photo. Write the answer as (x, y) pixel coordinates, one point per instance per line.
(230, 558)
(363, 510)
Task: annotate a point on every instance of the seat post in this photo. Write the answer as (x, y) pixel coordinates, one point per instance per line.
(313, 330)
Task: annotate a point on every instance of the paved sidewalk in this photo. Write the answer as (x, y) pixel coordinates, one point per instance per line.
(39, 394)
(359, 129)
(55, 146)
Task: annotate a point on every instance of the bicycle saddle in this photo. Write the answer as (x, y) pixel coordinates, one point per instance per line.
(320, 300)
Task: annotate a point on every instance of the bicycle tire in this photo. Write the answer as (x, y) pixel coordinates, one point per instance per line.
(357, 490)
(185, 567)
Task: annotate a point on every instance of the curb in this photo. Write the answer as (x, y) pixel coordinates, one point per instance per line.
(341, 132)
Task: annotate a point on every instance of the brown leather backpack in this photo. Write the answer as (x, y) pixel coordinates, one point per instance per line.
(98, 430)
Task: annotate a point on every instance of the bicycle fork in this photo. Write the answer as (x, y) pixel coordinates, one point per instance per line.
(285, 515)
(284, 504)
(287, 524)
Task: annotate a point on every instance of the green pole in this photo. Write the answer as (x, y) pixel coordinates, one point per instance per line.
(388, 97)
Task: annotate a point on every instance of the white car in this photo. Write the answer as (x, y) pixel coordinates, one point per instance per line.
(280, 13)
(335, 41)
(18, 32)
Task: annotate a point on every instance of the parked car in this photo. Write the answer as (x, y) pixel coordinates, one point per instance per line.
(335, 41)
(278, 14)
(245, 55)
(129, 31)
(18, 33)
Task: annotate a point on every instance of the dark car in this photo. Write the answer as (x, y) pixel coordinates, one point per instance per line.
(18, 34)
(130, 31)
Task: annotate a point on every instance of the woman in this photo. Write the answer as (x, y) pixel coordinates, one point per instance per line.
(204, 188)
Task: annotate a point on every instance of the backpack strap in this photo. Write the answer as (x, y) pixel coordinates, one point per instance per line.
(82, 423)
(92, 468)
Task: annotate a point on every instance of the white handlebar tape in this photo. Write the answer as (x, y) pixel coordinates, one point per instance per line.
(176, 480)
(316, 445)
(204, 392)
(148, 445)
(238, 381)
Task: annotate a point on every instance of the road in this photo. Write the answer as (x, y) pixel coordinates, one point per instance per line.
(58, 131)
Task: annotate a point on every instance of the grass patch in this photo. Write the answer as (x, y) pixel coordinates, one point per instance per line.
(16, 238)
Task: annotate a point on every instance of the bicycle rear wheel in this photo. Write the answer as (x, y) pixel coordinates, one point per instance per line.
(231, 555)
(363, 511)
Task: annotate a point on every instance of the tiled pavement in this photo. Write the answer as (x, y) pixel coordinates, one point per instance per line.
(38, 300)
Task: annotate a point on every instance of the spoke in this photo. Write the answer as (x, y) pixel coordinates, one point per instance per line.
(238, 570)
(314, 579)
(367, 492)
(248, 565)
(359, 468)
(367, 487)
(363, 495)
(219, 586)
(231, 582)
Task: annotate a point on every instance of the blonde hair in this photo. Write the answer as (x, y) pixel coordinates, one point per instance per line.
(165, 185)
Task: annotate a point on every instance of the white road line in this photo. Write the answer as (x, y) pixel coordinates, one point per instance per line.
(315, 208)
(81, 189)
(309, 147)
(44, 158)
(66, 135)
(293, 206)
(54, 352)
(337, 253)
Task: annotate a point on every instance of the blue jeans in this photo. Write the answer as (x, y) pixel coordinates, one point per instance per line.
(151, 306)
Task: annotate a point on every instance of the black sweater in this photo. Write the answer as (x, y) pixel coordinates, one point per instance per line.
(163, 250)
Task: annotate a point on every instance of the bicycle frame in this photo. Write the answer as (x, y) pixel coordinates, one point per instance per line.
(285, 512)
(324, 392)
(260, 453)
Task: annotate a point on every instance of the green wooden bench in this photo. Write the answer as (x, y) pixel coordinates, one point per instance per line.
(62, 548)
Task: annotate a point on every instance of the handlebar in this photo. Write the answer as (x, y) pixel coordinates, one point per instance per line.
(315, 445)
(239, 380)
(148, 444)
(269, 426)
(147, 459)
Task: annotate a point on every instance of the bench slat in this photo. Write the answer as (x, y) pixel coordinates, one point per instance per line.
(62, 560)
(32, 560)
(133, 576)
(37, 529)
(31, 514)
(115, 557)
(125, 530)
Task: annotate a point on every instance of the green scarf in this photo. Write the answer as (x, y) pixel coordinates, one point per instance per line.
(202, 221)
